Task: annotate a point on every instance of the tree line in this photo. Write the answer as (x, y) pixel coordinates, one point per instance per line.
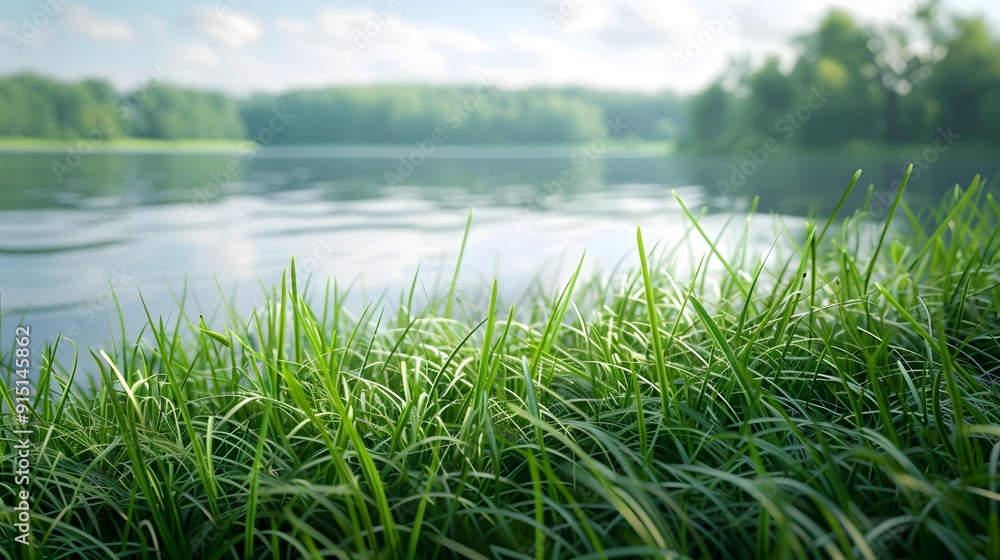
(910, 79)
(33, 106)
(903, 80)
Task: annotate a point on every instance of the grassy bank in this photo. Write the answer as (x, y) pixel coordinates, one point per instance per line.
(836, 400)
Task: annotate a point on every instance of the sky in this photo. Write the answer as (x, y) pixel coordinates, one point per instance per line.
(246, 46)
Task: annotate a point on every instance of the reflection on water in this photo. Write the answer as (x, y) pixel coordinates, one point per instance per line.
(121, 224)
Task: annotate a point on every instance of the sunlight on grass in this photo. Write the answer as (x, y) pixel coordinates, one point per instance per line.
(840, 402)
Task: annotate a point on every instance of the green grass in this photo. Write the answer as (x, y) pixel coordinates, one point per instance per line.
(836, 399)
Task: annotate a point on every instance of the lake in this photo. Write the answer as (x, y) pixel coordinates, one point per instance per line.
(216, 226)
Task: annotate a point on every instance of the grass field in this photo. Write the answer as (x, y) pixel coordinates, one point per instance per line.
(837, 399)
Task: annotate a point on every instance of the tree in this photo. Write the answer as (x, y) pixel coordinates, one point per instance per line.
(712, 117)
(904, 52)
(771, 96)
(965, 78)
(836, 56)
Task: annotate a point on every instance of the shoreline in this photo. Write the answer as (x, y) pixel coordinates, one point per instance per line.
(142, 145)
(627, 149)
(767, 407)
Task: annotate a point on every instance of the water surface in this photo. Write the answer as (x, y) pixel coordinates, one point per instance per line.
(143, 227)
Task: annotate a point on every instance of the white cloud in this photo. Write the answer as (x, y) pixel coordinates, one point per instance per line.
(338, 46)
(611, 44)
(21, 36)
(232, 30)
(364, 46)
(362, 29)
(7, 28)
(669, 20)
(156, 28)
(450, 38)
(197, 53)
(626, 22)
(292, 27)
(89, 24)
(538, 60)
(573, 18)
(8, 32)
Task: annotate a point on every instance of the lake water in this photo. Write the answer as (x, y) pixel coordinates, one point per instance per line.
(152, 223)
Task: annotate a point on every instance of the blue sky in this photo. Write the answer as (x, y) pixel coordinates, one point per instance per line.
(242, 46)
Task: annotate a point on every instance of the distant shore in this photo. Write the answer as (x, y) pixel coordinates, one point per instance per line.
(626, 148)
(49, 145)
(55, 145)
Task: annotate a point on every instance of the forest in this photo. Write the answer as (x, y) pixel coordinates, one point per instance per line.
(880, 85)
(356, 115)
(909, 79)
